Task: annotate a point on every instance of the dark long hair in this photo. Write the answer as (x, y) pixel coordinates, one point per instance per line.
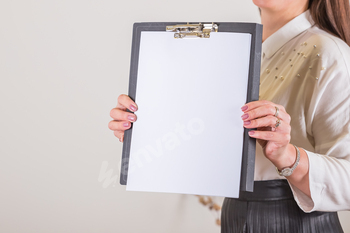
(332, 16)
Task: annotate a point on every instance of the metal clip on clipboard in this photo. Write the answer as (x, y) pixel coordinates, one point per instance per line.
(192, 30)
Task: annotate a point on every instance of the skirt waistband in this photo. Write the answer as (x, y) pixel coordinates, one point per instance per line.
(269, 190)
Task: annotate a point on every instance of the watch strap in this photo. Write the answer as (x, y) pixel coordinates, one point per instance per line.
(289, 171)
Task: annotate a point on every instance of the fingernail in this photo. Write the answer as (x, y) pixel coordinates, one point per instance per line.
(245, 116)
(246, 122)
(126, 124)
(131, 118)
(251, 132)
(120, 139)
(133, 108)
(245, 107)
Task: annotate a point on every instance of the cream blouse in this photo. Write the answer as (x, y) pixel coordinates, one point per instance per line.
(306, 70)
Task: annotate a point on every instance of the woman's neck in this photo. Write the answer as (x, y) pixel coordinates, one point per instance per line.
(274, 20)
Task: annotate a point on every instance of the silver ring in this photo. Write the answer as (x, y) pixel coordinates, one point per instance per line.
(278, 123)
(277, 111)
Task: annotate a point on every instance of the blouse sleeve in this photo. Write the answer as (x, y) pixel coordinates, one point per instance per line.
(328, 122)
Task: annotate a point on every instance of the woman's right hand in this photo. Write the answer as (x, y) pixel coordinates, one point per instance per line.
(121, 118)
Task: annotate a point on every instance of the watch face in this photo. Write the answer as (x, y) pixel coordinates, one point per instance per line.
(287, 172)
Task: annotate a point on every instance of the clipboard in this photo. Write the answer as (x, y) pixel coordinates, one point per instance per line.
(145, 52)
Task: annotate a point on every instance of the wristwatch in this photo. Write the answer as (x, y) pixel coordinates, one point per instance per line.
(289, 171)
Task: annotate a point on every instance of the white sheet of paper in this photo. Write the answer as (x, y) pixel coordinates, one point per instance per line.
(188, 136)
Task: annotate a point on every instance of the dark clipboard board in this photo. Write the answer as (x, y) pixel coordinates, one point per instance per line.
(249, 146)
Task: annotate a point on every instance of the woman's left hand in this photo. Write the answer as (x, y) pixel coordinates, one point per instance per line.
(273, 130)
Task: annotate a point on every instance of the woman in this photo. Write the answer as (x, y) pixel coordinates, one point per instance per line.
(302, 121)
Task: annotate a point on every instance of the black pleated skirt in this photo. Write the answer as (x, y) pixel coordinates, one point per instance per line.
(271, 208)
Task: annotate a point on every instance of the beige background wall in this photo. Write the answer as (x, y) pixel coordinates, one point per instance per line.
(62, 65)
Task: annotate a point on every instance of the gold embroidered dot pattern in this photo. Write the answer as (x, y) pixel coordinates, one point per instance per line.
(304, 56)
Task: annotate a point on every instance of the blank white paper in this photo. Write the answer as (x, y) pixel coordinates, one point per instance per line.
(188, 137)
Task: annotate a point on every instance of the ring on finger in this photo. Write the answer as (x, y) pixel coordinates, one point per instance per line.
(278, 122)
(277, 111)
